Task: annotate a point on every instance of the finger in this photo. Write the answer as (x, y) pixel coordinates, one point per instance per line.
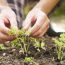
(43, 27)
(4, 37)
(6, 22)
(27, 23)
(3, 28)
(41, 35)
(10, 16)
(13, 22)
(37, 25)
(3, 17)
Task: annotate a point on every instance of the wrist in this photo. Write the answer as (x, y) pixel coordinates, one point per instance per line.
(46, 5)
(3, 3)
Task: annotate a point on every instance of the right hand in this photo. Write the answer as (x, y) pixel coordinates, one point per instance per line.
(39, 20)
(7, 21)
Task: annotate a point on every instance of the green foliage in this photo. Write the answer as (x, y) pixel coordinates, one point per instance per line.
(60, 45)
(13, 31)
(28, 7)
(39, 44)
(2, 47)
(31, 60)
(28, 59)
(23, 41)
(60, 10)
(15, 43)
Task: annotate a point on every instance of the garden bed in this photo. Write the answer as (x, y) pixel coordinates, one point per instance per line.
(31, 52)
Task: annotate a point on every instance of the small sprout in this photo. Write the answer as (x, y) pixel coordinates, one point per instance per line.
(2, 47)
(15, 43)
(21, 32)
(42, 45)
(28, 59)
(13, 31)
(31, 60)
(39, 45)
(23, 41)
(27, 33)
(60, 45)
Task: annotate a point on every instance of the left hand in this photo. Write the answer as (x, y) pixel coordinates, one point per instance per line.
(7, 21)
(40, 21)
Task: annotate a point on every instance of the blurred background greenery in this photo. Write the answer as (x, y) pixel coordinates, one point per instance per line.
(29, 4)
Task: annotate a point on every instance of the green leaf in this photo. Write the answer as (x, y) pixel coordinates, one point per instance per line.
(28, 59)
(2, 47)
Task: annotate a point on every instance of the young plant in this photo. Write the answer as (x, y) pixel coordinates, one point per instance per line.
(30, 60)
(21, 41)
(13, 31)
(15, 43)
(60, 45)
(24, 41)
(39, 44)
(26, 44)
(2, 47)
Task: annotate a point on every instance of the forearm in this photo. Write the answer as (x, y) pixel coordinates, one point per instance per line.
(46, 5)
(3, 3)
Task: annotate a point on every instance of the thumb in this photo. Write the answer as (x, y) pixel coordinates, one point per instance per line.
(13, 22)
(3, 28)
(27, 22)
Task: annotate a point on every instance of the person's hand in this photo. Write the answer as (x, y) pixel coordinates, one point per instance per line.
(39, 20)
(7, 21)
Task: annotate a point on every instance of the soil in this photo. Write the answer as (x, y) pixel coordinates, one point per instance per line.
(12, 56)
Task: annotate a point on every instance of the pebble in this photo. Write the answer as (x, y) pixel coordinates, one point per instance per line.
(13, 50)
(4, 54)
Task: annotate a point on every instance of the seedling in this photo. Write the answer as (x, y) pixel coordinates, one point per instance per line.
(25, 44)
(21, 41)
(60, 45)
(24, 41)
(30, 60)
(2, 47)
(15, 43)
(13, 31)
(39, 44)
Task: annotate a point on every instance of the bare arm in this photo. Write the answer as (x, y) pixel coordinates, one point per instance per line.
(38, 16)
(46, 5)
(3, 3)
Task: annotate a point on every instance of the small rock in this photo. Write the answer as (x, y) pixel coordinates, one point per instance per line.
(4, 54)
(13, 50)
